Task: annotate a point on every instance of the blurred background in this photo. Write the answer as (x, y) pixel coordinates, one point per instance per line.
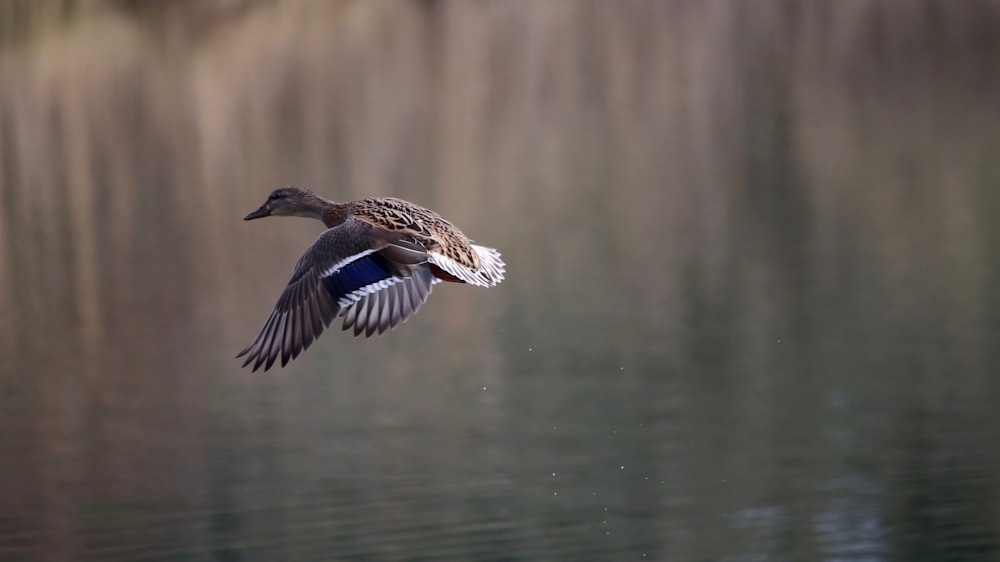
(752, 309)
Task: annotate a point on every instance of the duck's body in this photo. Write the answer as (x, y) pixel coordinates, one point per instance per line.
(374, 265)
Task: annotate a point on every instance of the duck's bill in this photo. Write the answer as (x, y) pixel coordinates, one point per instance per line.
(259, 213)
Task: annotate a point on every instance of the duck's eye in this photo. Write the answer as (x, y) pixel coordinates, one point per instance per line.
(275, 196)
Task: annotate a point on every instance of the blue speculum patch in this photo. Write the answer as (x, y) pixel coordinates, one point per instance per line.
(357, 274)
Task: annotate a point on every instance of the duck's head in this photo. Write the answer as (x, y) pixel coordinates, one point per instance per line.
(291, 202)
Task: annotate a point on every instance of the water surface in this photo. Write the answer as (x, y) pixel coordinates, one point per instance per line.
(752, 309)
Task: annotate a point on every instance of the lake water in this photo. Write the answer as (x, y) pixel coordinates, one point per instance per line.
(752, 309)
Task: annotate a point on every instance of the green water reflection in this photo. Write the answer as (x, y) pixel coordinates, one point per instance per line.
(751, 311)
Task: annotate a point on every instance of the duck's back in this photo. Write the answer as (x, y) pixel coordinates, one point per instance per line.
(427, 228)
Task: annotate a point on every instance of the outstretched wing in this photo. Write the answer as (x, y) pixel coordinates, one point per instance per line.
(350, 269)
(384, 309)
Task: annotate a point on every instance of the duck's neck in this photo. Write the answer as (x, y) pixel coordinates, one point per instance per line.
(334, 213)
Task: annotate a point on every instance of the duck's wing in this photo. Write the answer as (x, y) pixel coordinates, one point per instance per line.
(351, 268)
(382, 306)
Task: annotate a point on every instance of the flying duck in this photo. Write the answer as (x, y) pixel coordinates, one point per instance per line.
(374, 265)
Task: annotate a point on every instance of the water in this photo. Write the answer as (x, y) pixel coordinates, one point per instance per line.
(751, 313)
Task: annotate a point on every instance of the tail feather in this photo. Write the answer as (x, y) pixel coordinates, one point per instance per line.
(491, 267)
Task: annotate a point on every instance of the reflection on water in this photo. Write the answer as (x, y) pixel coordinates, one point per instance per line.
(751, 310)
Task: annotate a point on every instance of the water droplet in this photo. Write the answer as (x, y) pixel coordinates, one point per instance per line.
(622, 467)
(484, 388)
(529, 349)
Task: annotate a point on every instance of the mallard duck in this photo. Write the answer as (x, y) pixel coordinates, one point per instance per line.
(374, 265)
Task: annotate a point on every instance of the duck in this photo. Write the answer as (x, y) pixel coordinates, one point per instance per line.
(374, 265)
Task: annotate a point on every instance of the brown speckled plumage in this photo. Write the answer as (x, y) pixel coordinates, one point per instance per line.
(425, 226)
(374, 265)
